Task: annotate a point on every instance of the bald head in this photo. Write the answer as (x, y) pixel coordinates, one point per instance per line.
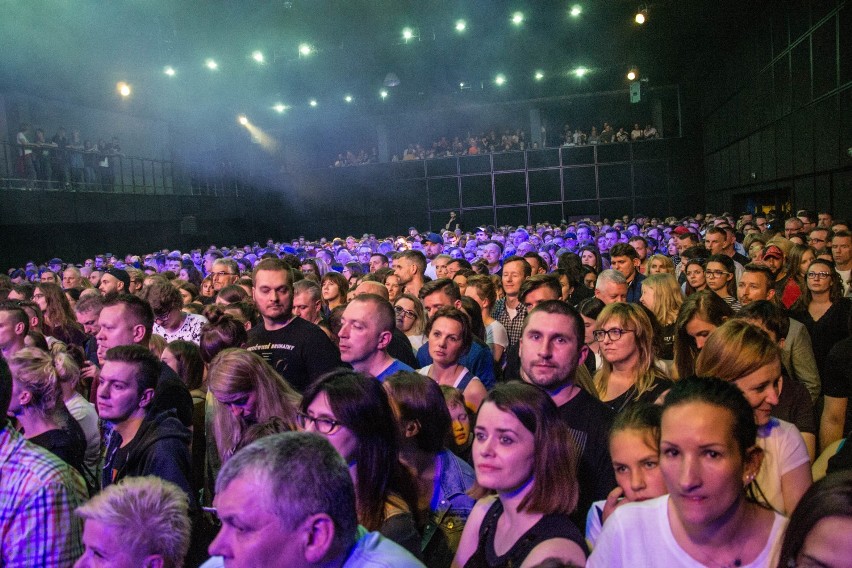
(370, 287)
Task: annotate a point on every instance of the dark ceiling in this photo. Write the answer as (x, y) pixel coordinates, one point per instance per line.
(79, 50)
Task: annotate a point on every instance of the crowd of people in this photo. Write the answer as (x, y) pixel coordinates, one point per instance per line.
(65, 162)
(627, 392)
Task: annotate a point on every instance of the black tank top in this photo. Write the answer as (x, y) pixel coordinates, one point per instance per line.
(548, 527)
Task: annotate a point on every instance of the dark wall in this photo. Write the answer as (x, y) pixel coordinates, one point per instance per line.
(778, 114)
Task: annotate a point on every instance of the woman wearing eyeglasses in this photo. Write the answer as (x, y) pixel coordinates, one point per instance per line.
(629, 373)
(411, 319)
(352, 411)
(823, 309)
(719, 273)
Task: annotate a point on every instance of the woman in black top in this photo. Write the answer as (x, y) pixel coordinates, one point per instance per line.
(525, 481)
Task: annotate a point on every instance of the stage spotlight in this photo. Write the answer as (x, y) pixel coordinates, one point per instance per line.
(280, 108)
(518, 18)
(211, 64)
(461, 25)
(539, 75)
(313, 102)
(580, 72)
(383, 93)
(407, 34)
(305, 49)
(632, 74)
(642, 15)
(500, 79)
(170, 71)
(348, 98)
(123, 89)
(243, 120)
(257, 56)
(576, 10)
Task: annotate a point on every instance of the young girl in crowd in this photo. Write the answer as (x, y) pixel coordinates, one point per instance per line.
(661, 294)
(746, 356)
(461, 423)
(628, 373)
(526, 484)
(481, 289)
(699, 316)
(721, 278)
(334, 289)
(708, 456)
(411, 319)
(634, 445)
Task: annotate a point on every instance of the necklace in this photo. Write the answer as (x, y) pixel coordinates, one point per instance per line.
(737, 561)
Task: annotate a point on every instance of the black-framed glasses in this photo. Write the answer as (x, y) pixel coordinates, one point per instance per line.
(400, 311)
(613, 334)
(215, 274)
(818, 275)
(321, 424)
(716, 273)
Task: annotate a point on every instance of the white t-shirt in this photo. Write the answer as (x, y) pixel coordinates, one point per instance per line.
(594, 524)
(22, 140)
(845, 275)
(639, 535)
(783, 451)
(416, 341)
(85, 414)
(190, 330)
(495, 334)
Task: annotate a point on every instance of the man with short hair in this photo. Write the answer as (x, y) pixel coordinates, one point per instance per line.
(225, 272)
(551, 349)
(797, 352)
(625, 260)
(14, 326)
(841, 252)
(492, 251)
(88, 310)
(409, 266)
(640, 243)
(825, 220)
(539, 288)
(142, 521)
(509, 310)
(296, 348)
(297, 495)
(792, 226)
(114, 281)
(378, 261)
(307, 301)
(611, 287)
(433, 245)
(479, 359)
(808, 219)
(38, 495)
(536, 263)
(366, 330)
(455, 265)
(71, 278)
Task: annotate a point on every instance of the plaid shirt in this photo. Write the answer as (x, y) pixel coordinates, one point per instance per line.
(38, 496)
(513, 326)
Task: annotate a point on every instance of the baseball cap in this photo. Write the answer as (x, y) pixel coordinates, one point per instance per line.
(681, 230)
(433, 238)
(772, 251)
(119, 274)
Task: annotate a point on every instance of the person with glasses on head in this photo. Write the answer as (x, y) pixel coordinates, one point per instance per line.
(411, 319)
(224, 272)
(719, 272)
(629, 373)
(170, 321)
(823, 309)
(352, 411)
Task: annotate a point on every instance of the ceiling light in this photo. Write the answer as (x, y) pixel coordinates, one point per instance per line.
(580, 72)
(257, 56)
(518, 18)
(539, 75)
(407, 34)
(348, 98)
(280, 108)
(313, 102)
(170, 71)
(642, 15)
(383, 93)
(211, 64)
(461, 25)
(305, 49)
(242, 119)
(576, 10)
(500, 79)
(632, 74)
(123, 89)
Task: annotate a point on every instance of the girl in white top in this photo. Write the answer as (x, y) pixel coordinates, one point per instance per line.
(745, 355)
(482, 290)
(449, 336)
(708, 458)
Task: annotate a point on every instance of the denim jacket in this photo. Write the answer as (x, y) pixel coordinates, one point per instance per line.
(451, 508)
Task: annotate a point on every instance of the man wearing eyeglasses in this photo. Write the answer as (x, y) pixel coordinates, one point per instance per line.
(366, 331)
(225, 272)
(818, 240)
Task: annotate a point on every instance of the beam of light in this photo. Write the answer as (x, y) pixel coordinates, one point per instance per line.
(461, 25)
(211, 64)
(580, 72)
(500, 79)
(313, 102)
(518, 18)
(169, 70)
(576, 10)
(257, 56)
(123, 89)
(242, 119)
(305, 49)
(539, 75)
(258, 136)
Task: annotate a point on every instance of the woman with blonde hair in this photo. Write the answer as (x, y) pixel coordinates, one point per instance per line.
(244, 390)
(660, 264)
(662, 295)
(629, 372)
(745, 355)
(411, 319)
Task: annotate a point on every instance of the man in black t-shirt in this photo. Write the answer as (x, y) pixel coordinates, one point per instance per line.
(299, 350)
(551, 349)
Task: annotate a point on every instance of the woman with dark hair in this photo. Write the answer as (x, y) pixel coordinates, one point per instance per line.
(708, 458)
(59, 320)
(721, 278)
(819, 528)
(170, 321)
(352, 270)
(334, 286)
(526, 484)
(188, 292)
(591, 256)
(442, 479)
(798, 260)
(449, 336)
(823, 309)
(696, 279)
(190, 274)
(231, 295)
(699, 316)
(353, 412)
(220, 332)
(206, 291)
